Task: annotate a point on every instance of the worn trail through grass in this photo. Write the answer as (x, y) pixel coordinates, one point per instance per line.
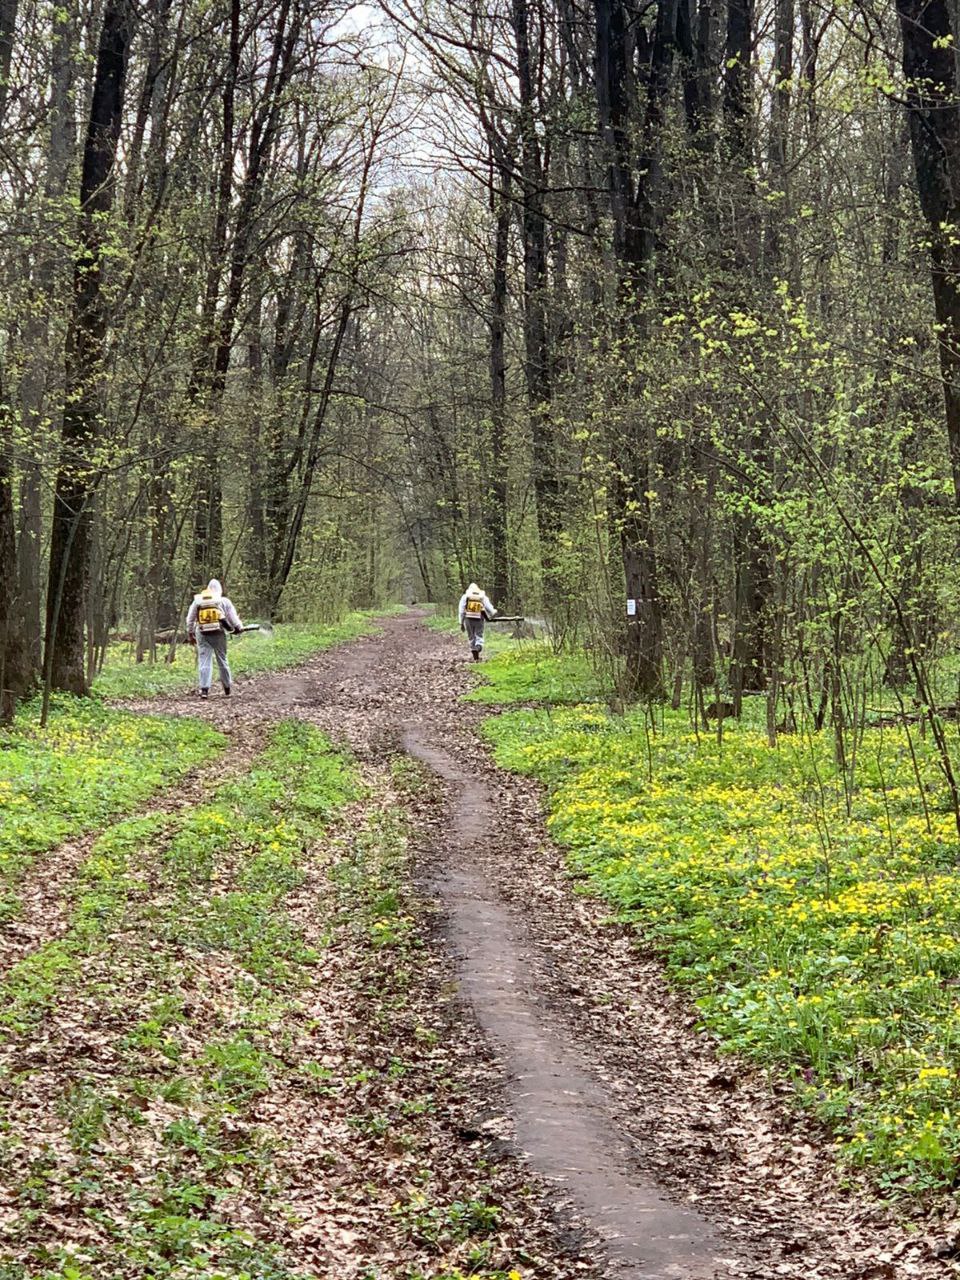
(236, 1057)
(46, 892)
(341, 1017)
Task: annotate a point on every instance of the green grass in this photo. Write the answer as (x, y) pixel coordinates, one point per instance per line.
(186, 960)
(521, 671)
(289, 644)
(90, 764)
(135, 955)
(443, 618)
(103, 887)
(272, 813)
(526, 671)
(813, 917)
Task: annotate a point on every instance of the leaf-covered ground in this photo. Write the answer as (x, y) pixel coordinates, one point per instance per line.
(241, 1051)
(238, 1059)
(811, 914)
(89, 764)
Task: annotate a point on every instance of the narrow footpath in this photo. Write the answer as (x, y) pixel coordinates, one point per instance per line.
(560, 1111)
(665, 1161)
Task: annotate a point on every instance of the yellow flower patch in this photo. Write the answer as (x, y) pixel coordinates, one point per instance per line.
(814, 919)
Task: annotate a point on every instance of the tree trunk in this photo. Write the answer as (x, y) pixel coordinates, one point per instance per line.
(207, 530)
(780, 211)
(83, 410)
(15, 669)
(285, 552)
(498, 399)
(41, 360)
(256, 534)
(644, 650)
(535, 328)
(221, 324)
(748, 673)
(635, 186)
(738, 81)
(8, 25)
(929, 64)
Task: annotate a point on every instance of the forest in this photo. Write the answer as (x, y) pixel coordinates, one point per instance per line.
(604, 304)
(633, 943)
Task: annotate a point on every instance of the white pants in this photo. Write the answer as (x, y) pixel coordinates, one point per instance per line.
(210, 645)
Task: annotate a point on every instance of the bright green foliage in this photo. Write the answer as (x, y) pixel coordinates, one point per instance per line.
(290, 643)
(524, 671)
(442, 1225)
(444, 618)
(88, 765)
(186, 957)
(104, 883)
(271, 813)
(816, 937)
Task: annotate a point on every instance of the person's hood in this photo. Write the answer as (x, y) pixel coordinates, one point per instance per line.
(474, 590)
(214, 587)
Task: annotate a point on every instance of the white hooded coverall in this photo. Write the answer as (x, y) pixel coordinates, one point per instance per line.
(473, 623)
(213, 644)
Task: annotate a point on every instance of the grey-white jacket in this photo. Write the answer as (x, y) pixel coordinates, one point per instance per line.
(230, 616)
(488, 608)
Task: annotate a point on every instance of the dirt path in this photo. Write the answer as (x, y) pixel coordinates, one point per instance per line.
(685, 1165)
(559, 1109)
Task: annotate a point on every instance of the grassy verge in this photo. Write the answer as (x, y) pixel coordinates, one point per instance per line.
(230, 1066)
(443, 618)
(527, 671)
(289, 644)
(88, 765)
(182, 965)
(814, 916)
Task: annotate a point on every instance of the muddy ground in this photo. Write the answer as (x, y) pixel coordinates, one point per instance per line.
(653, 1157)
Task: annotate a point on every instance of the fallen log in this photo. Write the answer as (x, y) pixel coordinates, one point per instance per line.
(181, 637)
(892, 716)
(161, 637)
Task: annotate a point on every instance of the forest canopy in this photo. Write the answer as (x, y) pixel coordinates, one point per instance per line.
(644, 315)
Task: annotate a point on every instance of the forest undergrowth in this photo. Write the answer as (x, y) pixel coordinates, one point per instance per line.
(88, 765)
(233, 1064)
(93, 762)
(811, 912)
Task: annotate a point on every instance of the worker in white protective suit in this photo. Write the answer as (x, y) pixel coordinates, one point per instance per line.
(210, 619)
(475, 610)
